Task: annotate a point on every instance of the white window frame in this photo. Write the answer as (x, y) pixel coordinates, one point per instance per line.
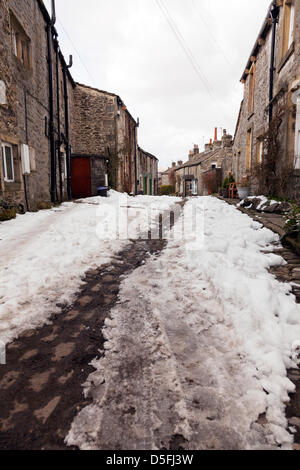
(292, 23)
(65, 166)
(195, 187)
(3, 145)
(15, 43)
(260, 151)
(297, 136)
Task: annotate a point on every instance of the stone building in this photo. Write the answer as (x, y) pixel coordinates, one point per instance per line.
(35, 107)
(204, 172)
(147, 172)
(167, 177)
(105, 143)
(267, 138)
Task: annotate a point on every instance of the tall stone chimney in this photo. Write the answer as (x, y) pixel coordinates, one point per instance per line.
(226, 139)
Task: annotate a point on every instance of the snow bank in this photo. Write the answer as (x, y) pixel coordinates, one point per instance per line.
(212, 332)
(46, 254)
(264, 202)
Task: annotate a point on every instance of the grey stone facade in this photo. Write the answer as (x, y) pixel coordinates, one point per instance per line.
(24, 103)
(104, 131)
(147, 171)
(203, 173)
(253, 121)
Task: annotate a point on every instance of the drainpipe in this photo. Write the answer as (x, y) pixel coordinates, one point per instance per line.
(58, 142)
(67, 131)
(274, 16)
(51, 105)
(27, 140)
(135, 155)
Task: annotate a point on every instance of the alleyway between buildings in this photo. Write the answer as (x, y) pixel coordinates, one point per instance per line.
(177, 343)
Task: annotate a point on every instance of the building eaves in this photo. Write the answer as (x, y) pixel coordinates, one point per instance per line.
(200, 159)
(47, 19)
(267, 24)
(119, 99)
(147, 153)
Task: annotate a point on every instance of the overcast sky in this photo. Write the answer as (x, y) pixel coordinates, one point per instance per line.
(177, 69)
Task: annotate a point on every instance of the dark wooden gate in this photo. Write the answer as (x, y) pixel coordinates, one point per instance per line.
(81, 177)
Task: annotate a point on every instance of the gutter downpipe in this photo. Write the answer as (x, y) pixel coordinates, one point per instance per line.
(67, 131)
(135, 155)
(27, 140)
(58, 142)
(51, 106)
(274, 14)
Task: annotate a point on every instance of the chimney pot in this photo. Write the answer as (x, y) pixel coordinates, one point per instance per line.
(216, 134)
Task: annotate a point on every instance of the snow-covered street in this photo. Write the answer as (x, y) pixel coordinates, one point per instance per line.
(198, 338)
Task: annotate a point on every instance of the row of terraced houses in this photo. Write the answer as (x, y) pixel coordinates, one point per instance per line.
(264, 153)
(59, 139)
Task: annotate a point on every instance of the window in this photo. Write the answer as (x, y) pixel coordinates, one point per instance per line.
(15, 43)
(213, 165)
(248, 150)
(195, 187)
(20, 42)
(65, 165)
(260, 150)
(288, 25)
(8, 162)
(297, 136)
(2, 92)
(251, 89)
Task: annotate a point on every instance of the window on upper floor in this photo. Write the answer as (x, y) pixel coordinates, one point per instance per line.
(249, 150)
(251, 89)
(260, 149)
(288, 25)
(8, 163)
(20, 42)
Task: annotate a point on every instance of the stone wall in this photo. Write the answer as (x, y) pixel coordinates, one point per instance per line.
(286, 74)
(27, 82)
(94, 123)
(127, 149)
(104, 128)
(147, 172)
(217, 155)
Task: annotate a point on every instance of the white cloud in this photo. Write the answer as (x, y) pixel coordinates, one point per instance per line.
(130, 49)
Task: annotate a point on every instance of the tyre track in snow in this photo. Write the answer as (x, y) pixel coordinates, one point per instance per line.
(165, 382)
(173, 375)
(41, 384)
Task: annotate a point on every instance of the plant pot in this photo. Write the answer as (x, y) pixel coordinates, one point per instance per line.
(224, 193)
(244, 192)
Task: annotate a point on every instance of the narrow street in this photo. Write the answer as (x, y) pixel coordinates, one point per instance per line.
(174, 343)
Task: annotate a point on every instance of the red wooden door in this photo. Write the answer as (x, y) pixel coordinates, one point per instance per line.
(81, 177)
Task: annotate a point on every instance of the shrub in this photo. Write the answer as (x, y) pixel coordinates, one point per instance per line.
(7, 214)
(8, 210)
(167, 190)
(43, 205)
(227, 181)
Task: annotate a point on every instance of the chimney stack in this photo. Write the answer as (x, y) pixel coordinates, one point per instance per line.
(216, 134)
(196, 149)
